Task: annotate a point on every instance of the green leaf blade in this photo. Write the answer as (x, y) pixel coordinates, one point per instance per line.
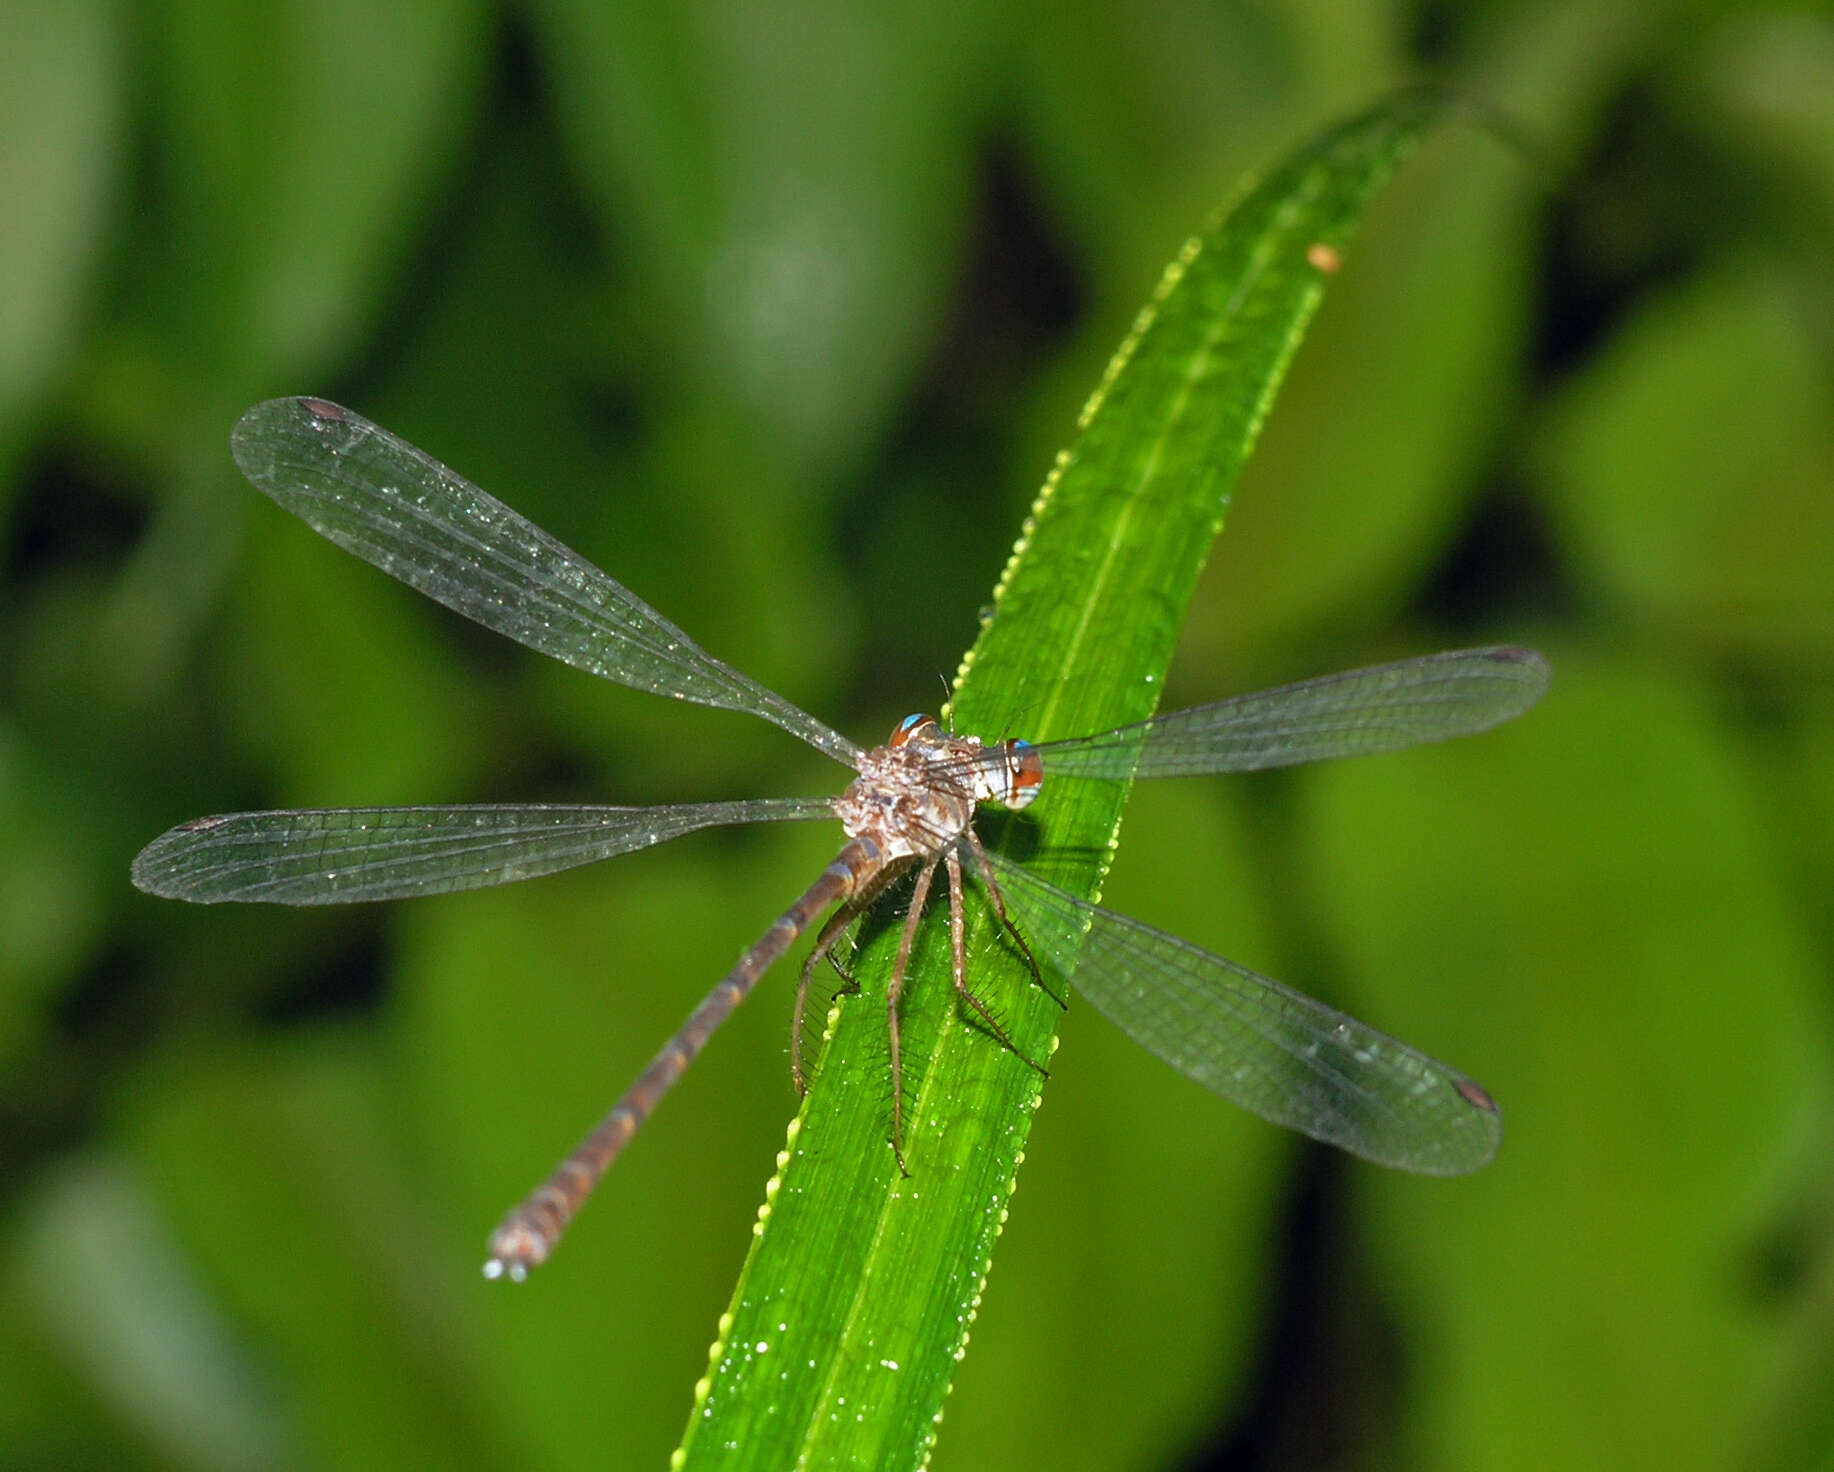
(857, 1299)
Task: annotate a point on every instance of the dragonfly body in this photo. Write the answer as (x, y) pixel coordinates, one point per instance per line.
(910, 808)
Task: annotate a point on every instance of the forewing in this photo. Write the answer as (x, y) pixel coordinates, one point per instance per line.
(1357, 713)
(398, 508)
(331, 856)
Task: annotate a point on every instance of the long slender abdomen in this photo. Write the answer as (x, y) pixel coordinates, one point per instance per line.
(525, 1238)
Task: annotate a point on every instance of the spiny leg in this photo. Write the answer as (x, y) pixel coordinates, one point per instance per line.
(824, 946)
(959, 964)
(920, 892)
(864, 896)
(999, 909)
(848, 984)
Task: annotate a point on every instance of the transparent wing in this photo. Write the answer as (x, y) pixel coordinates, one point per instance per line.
(398, 508)
(334, 856)
(1383, 708)
(1275, 1052)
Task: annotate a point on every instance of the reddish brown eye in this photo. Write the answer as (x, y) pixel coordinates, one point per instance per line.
(1024, 773)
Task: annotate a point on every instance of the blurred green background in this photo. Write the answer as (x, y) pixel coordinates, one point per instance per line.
(779, 311)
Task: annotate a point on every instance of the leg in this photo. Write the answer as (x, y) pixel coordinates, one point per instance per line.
(953, 860)
(848, 984)
(861, 900)
(824, 946)
(999, 909)
(919, 893)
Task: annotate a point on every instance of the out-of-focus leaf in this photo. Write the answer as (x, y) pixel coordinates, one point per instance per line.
(1589, 904)
(110, 1293)
(50, 911)
(62, 116)
(286, 1155)
(1690, 465)
(302, 141)
(789, 182)
(1765, 80)
(335, 681)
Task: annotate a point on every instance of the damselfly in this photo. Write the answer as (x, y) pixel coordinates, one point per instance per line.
(910, 809)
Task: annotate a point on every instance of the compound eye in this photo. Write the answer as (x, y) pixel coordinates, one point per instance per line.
(907, 728)
(1024, 773)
